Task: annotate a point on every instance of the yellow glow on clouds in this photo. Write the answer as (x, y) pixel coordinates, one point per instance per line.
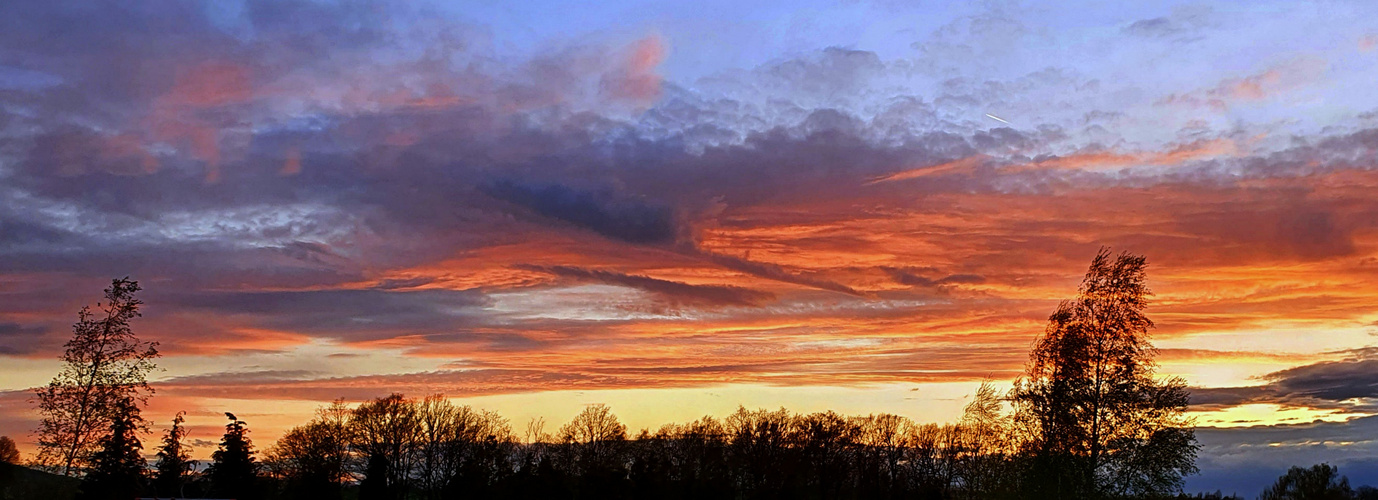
(1292, 341)
(1267, 414)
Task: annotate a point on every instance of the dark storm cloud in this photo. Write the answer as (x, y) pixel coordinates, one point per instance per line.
(19, 339)
(1346, 383)
(401, 284)
(1207, 398)
(778, 273)
(672, 292)
(195, 264)
(915, 277)
(626, 219)
(1244, 459)
(1353, 378)
(345, 314)
(17, 234)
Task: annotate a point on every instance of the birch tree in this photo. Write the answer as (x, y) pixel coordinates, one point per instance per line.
(105, 370)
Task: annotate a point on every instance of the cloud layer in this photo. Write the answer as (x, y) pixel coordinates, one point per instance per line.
(507, 210)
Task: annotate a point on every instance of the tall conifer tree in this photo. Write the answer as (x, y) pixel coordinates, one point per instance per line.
(234, 470)
(173, 461)
(117, 470)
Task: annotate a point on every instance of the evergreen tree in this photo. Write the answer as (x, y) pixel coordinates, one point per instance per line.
(233, 471)
(173, 461)
(106, 365)
(117, 470)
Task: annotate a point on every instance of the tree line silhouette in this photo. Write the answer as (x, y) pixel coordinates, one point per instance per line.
(1089, 419)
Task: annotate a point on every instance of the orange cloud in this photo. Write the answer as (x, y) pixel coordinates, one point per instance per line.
(1181, 153)
(209, 84)
(292, 164)
(636, 80)
(1368, 42)
(1263, 85)
(955, 166)
(175, 117)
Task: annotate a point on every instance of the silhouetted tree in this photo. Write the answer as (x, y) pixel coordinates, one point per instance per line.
(880, 441)
(441, 443)
(536, 475)
(1101, 424)
(486, 448)
(403, 448)
(8, 452)
(233, 472)
(1320, 482)
(986, 467)
(693, 456)
(460, 450)
(311, 459)
(105, 365)
(1216, 495)
(757, 450)
(174, 461)
(386, 432)
(824, 441)
(594, 446)
(117, 470)
(596, 424)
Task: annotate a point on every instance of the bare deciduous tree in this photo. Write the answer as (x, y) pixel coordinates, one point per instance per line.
(595, 424)
(386, 432)
(312, 459)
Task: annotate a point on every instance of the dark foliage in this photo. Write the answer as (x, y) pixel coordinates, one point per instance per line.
(22, 483)
(233, 472)
(8, 452)
(170, 472)
(117, 470)
(312, 460)
(1217, 495)
(1320, 482)
(105, 366)
(1100, 424)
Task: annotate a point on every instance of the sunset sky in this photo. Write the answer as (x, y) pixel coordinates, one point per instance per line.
(676, 208)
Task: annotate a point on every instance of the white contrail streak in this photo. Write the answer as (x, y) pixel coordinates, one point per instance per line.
(998, 119)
